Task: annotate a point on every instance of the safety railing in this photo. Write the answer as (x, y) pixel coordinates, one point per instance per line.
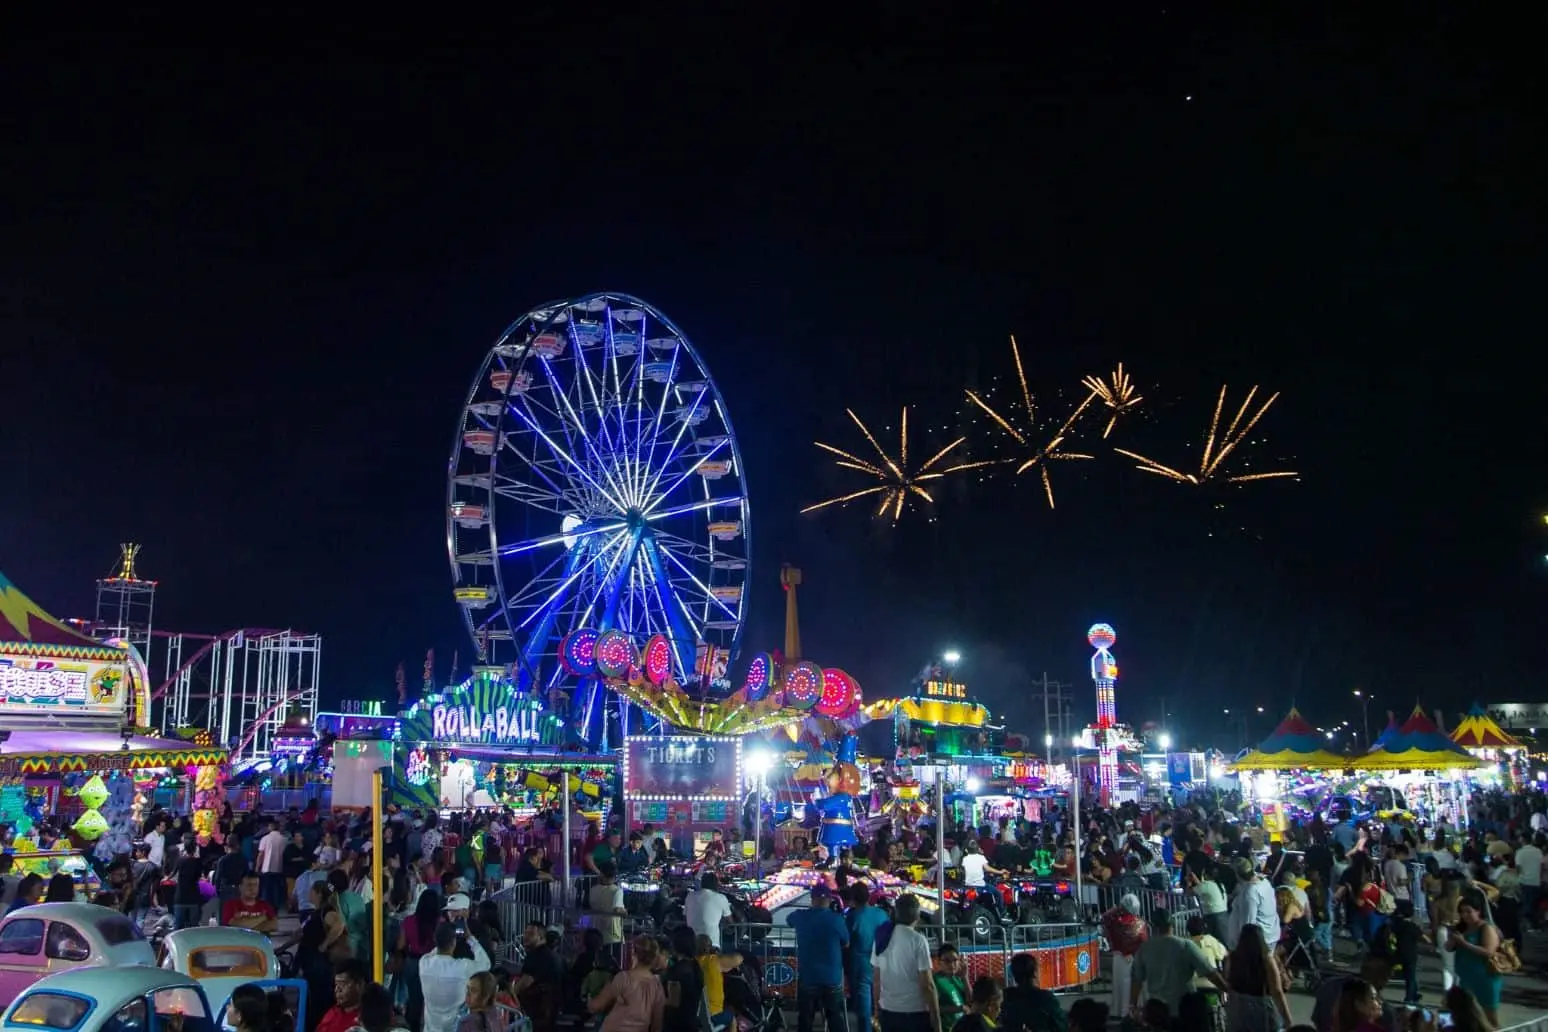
(1181, 905)
(1067, 953)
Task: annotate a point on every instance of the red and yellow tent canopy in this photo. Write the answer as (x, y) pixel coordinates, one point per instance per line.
(1479, 731)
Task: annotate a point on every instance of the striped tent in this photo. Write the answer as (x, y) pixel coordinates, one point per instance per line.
(1479, 731)
(1294, 745)
(1419, 745)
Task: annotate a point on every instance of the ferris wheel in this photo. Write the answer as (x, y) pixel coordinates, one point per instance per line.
(595, 483)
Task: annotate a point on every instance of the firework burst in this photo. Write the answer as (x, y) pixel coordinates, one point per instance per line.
(1217, 448)
(1116, 393)
(1043, 455)
(897, 482)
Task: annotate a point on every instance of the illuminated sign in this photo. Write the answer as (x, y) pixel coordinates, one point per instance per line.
(35, 683)
(361, 707)
(481, 726)
(683, 767)
(945, 690)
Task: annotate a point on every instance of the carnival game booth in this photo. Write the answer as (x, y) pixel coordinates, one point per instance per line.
(1293, 747)
(1487, 741)
(70, 708)
(482, 744)
(1424, 762)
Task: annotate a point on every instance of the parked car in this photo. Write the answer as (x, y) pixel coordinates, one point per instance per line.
(111, 999)
(220, 959)
(46, 938)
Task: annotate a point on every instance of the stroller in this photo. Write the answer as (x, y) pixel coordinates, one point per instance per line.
(1297, 954)
(757, 1009)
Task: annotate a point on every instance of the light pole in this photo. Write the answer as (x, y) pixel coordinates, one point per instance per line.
(1048, 744)
(1365, 714)
(1080, 904)
(757, 763)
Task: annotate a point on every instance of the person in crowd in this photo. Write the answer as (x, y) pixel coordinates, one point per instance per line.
(1165, 967)
(706, 908)
(862, 920)
(984, 1007)
(714, 966)
(1359, 1008)
(1088, 1014)
(1028, 1007)
(349, 980)
(538, 989)
(634, 1000)
(270, 865)
(902, 974)
(247, 910)
(483, 1012)
(443, 977)
(634, 856)
(684, 984)
(1252, 904)
(229, 870)
(1474, 940)
(606, 901)
(821, 937)
(951, 988)
(61, 889)
(1255, 984)
(376, 1012)
(1465, 1013)
(297, 862)
(28, 891)
(1375, 971)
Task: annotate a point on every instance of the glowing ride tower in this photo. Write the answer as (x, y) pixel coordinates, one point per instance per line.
(1104, 673)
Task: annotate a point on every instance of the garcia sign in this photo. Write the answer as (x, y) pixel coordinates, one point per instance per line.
(683, 767)
(496, 726)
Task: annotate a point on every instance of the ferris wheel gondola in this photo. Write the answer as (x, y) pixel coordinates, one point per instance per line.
(595, 481)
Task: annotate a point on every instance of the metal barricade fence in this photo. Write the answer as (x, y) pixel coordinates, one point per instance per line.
(529, 903)
(1067, 953)
(1182, 905)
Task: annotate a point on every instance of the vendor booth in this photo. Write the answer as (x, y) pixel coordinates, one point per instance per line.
(71, 758)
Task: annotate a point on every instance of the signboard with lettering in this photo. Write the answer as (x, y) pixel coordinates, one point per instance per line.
(683, 767)
(945, 690)
(500, 725)
(31, 684)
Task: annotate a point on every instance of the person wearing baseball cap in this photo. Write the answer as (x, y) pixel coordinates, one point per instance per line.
(1252, 903)
(821, 936)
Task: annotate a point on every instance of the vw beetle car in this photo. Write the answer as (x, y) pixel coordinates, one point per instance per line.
(220, 959)
(46, 938)
(112, 999)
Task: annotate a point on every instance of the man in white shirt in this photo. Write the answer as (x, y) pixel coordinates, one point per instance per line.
(1529, 864)
(902, 970)
(271, 866)
(443, 978)
(705, 909)
(156, 842)
(606, 901)
(1252, 903)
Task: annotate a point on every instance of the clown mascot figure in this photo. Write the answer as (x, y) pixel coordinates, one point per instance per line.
(837, 807)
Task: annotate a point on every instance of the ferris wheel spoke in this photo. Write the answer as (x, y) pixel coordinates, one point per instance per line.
(603, 467)
(575, 466)
(684, 636)
(526, 494)
(679, 510)
(733, 614)
(568, 539)
(655, 430)
(559, 592)
(657, 472)
(691, 470)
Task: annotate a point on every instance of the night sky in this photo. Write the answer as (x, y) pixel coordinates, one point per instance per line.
(244, 292)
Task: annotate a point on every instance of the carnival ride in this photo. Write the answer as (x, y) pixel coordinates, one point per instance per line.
(595, 481)
(236, 687)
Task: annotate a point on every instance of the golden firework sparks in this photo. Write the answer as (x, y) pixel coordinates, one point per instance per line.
(897, 482)
(1217, 448)
(1040, 456)
(1116, 393)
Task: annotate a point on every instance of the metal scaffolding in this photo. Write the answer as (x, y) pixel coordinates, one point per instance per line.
(241, 685)
(126, 603)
